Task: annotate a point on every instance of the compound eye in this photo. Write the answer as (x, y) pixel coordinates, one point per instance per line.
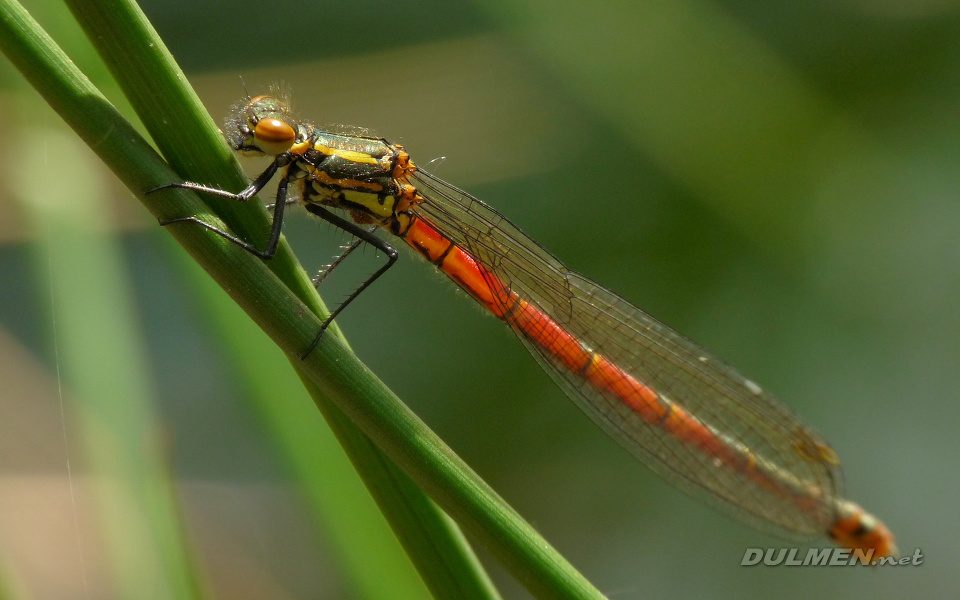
(274, 136)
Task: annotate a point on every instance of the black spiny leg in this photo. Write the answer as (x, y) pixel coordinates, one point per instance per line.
(252, 190)
(362, 235)
(339, 258)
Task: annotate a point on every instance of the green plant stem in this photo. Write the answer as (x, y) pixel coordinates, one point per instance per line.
(184, 132)
(291, 323)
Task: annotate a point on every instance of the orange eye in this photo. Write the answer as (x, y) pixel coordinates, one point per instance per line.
(274, 136)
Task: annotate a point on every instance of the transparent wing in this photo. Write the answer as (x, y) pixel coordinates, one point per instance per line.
(735, 408)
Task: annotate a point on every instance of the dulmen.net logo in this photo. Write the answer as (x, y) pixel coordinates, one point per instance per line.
(823, 557)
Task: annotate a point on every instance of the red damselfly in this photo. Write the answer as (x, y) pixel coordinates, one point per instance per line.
(687, 415)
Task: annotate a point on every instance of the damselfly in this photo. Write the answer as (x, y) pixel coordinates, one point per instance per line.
(688, 416)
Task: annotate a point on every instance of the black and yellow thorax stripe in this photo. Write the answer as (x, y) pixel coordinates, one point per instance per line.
(365, 176)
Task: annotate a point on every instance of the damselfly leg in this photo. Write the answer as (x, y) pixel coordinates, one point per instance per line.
(360, 235)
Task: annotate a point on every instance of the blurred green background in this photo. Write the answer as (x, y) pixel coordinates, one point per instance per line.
(777, 182)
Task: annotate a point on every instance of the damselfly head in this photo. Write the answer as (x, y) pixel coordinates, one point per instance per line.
(262, 125)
